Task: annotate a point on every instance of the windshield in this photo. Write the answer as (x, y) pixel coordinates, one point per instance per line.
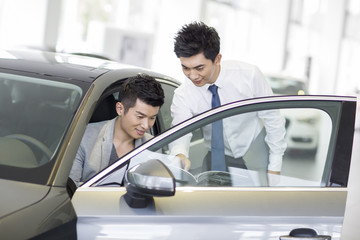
(34, 116)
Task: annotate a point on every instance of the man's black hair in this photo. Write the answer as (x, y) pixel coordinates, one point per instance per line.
(142, 87)
(195, 38)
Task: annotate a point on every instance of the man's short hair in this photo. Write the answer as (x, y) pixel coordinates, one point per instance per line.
(142, 87)
(195, 38)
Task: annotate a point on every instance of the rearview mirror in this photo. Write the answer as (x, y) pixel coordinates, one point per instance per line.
(147, 180)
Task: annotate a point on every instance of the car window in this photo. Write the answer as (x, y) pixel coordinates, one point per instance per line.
(165, 111)
(105, 110)
(105, 107)
(305, 161)
(34, 116)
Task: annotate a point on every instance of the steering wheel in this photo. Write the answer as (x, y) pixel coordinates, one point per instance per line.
(32, 141)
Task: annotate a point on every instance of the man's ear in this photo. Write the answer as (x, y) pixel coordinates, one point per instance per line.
(119, 108)
(218, 58)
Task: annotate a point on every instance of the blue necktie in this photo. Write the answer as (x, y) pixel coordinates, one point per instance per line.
(217, 139)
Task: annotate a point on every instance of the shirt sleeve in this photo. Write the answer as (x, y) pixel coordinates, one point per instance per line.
(274, 123)
(275, 137)
(180, 111)
(261, 86)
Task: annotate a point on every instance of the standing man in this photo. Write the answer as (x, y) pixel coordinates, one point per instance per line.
(198, 48)
(140, 99)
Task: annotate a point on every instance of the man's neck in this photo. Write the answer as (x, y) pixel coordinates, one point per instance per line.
(121, 137)
(216, 74)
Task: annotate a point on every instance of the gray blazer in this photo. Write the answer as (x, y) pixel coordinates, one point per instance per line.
(95, 150)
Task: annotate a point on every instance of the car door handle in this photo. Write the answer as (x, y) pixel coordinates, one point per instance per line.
(305, 233)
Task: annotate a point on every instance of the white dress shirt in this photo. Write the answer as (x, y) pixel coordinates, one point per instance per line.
(236, 81)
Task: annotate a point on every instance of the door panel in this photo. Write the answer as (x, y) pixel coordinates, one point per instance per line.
(238, 216)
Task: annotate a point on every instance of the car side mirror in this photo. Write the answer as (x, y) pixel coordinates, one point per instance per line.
(147, 180)
(304, 233)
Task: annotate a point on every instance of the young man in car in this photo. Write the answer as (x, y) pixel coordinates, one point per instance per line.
(140, 99)
(198, 48)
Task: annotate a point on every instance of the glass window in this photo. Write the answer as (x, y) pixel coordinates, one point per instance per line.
(165, 110)
(34, 116)
(304, 162)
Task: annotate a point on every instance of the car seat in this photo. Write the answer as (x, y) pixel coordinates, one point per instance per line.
(105, 110)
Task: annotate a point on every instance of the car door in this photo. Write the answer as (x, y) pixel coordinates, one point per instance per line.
(310, 194)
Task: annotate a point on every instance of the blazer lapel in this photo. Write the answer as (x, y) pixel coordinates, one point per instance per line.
(100, 154)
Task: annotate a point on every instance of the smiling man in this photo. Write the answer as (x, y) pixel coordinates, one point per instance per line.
(210, 84)
(140, 99)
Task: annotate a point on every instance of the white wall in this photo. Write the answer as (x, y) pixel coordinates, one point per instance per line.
(22, 23)
(255, 31)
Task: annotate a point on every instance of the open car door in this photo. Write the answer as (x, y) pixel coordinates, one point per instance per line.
(307, 199)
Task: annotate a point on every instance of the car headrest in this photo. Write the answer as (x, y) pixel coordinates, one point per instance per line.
(105, 110)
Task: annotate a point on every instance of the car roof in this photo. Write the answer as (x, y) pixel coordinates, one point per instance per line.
(58, 65)
(67, 67)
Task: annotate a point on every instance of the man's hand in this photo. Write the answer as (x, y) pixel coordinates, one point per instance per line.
(273, 177)
(185, 162)
(274, 172)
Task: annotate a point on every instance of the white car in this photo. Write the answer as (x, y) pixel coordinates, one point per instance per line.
(287, 85)
(302, 129)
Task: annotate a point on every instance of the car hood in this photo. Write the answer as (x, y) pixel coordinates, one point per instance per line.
(19, 195)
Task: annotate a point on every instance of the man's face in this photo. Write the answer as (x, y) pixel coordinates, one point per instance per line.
(201, 70)
(138, 119)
